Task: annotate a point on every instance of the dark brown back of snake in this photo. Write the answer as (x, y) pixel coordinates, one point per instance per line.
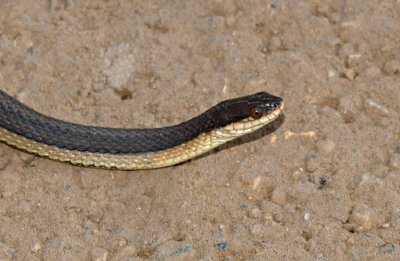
(24, 121)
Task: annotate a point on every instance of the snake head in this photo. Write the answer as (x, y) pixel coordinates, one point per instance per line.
(261, 104)
(255, 106)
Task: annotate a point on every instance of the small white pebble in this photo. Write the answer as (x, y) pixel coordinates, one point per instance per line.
(253, 82)
(374, 107)
(355, 56)
(307, 216)
(36, 247)
(386, 225)
(353, 59)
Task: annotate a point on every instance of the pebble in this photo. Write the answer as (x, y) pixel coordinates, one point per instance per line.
(3, 162)
(297, 174)
(373, 107)
(334, 17)
(353, 60)
(322, 8)
(380, 171)
(97, 194)
(231, 20)
(378, 155)
(351, 241)
(91, 181)
(313, 177)
(255, 213)
(223, 245)
(65, 248)
(349, 74)
(348, 103)
(269, 208)
(172, 250)
(27, 158)
(371, 72)
(331, 74)
(224, 229)
(217, 22)
(4, 205)
(225, 7)
(22, 208)
(325, 146)
(302, 190)
(90, 225)
(97, 87)
(125, 253)
(392, 67)
(99, 254)
(367, 178)
(312, 162)
(345, 50)
(60, 5)
(6, 252)
(307, 216)
(257, 229)
(36, 247)
(120, 71)
(390, 248)
(363, 218)
(386, 225)
(274, 44)
(384, 122)
(324, 180)
(122, 243)
(278, 196)
(253, 82)
(333, 41)
(11, 183)
(278, 217)
(92, 211)
(395, 161)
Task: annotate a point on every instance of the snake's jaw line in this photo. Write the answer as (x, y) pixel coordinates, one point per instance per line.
(18, 132)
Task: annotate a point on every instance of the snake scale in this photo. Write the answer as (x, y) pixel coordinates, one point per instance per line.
(26, 129)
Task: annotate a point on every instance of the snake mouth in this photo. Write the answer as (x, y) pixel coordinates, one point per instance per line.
(272, 115)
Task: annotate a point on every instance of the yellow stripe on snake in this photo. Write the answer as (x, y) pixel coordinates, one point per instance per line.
(128, 149)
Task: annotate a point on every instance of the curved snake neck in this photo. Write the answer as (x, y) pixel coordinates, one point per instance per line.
(24, 121)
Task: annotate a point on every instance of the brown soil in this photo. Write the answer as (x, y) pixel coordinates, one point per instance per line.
(321, 183)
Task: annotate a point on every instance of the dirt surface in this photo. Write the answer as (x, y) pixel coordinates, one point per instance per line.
(321, 183)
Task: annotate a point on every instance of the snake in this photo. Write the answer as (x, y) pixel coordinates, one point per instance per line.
(25, 129)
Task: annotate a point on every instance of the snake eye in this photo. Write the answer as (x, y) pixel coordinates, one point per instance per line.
(256, 113)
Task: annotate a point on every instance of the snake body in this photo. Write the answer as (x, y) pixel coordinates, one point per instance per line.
(26, 129)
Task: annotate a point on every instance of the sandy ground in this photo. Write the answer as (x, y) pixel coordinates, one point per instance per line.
(321, 183)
